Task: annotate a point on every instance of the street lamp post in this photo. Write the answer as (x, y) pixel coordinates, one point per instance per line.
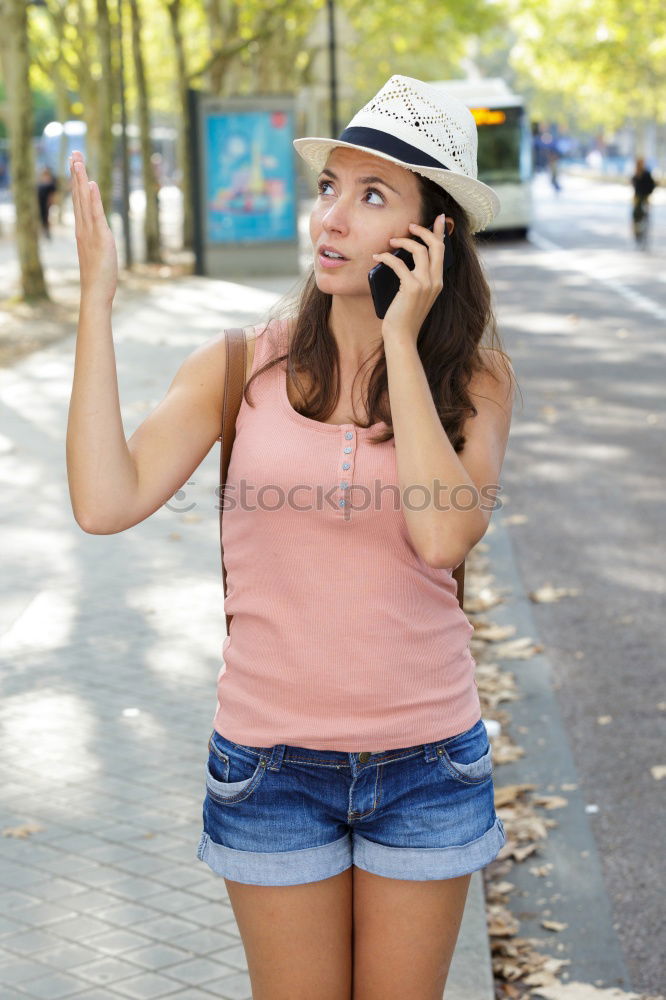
(332, 69)
(123, 144)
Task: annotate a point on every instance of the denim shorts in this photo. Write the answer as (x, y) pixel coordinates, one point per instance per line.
(285, 815)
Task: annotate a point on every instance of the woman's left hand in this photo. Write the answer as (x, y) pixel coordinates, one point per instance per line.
(418, 288)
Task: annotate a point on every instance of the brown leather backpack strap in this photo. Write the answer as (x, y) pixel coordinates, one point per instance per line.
(459, 577)
(234, 384)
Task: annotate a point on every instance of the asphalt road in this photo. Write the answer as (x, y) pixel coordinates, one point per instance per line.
(583, 317)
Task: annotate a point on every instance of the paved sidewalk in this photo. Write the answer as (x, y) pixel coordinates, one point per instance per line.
(109, 655)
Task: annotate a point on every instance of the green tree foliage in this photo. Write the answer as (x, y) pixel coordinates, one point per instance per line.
(599, 62)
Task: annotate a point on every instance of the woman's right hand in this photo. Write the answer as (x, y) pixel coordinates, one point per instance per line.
(98, 257)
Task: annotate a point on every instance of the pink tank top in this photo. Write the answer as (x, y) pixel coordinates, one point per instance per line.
(342, 637)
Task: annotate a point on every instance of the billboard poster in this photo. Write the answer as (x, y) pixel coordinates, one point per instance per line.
(250, 180)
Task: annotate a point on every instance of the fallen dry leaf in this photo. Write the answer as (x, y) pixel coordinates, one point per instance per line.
(22, 831)
(509, 793)
(483, 600)
(553, 925)
(547, 593)
(501, 922)
(550, 801)
(541, 870)
(493, 633)
(518, 649)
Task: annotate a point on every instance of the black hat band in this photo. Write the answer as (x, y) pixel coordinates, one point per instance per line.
(385, 143)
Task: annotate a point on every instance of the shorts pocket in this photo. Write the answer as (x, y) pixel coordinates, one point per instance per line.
(232, 775)
(468, 757)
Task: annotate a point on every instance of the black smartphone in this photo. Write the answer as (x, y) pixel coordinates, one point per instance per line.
(384, 282)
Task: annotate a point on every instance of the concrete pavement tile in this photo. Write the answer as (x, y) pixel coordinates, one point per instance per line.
(155, 842)
(79, 927)
(193, 994)
(131, 837)
(20, 876)
(107, 970)
(168, 928)
(211, 888)
(181, 855)
(109, 852)
(76, 843)
(66, 956)
(148, 986)
(182, 878)
(39, 913)
(116, 942)
(30, 941)
(87, 901)
(197, 971)
(143, 864)
(211, 913)
(223, 944)
(92, 993)
(20, 970)
(133, 887)
(105, 875)
(65, 865)
(14, 899)
(12, 924)
(126, 914)
(157, 956)
(175, 901)
(233, 987)
(54, 986)
(122, 833)
(59, 889)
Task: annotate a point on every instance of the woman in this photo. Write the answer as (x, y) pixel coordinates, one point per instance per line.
(349, 786)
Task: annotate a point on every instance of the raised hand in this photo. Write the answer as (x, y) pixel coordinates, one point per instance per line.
(98, 257)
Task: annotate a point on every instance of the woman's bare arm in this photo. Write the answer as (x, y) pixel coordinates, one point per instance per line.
(114, 483)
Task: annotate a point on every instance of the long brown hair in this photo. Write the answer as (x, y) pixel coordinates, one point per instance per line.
(449, 343)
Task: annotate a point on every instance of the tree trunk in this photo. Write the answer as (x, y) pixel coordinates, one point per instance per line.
(16, 66)
(105, 92)
(185, 136)
(150, 185)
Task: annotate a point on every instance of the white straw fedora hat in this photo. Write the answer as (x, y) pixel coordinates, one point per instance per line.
(422, 128)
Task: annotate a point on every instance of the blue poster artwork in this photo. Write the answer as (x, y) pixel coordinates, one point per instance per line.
(249, 177)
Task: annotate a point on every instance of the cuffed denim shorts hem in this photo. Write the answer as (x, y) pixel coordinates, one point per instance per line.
(287, 815)
(422, 864)
(313, 864)
(310, 864)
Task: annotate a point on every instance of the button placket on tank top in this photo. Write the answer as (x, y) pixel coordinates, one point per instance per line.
(348, 450)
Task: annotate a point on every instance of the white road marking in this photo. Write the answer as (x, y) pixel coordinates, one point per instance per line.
(635, 298)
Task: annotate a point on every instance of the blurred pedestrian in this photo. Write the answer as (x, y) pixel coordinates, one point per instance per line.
(553, 169)
(47, 191)
(157, 167)
(643, 184)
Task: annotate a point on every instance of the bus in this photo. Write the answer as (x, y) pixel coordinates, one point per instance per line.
(505, 158)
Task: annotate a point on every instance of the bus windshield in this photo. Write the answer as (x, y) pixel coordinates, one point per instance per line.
(500, 145)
